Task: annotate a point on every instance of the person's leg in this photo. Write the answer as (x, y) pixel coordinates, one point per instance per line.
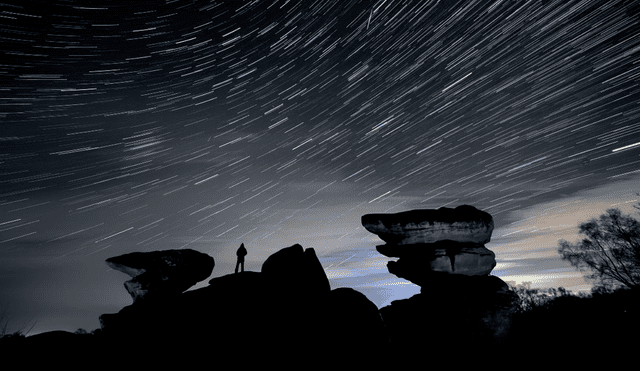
(237, 265)
(242, 266)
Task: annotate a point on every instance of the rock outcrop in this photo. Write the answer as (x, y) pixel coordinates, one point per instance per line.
(287, 307)
(161, 274)
(296, 268)
(346, 308)
(443, 252)
(418, 262)
(463, 224)
(288, 311)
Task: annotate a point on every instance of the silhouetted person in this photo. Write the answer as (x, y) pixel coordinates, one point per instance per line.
(241, 253)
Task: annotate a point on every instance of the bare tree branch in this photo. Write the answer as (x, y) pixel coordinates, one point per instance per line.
(610, 252)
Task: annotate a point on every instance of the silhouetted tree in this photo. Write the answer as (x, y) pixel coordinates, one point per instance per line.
(610, 252)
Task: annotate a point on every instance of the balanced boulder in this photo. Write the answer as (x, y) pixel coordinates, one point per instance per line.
(158, 274)
(465, 223)
(443, 252)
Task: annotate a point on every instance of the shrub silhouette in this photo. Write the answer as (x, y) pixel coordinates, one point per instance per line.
(535, 298)
(4, 322)
(13, 340)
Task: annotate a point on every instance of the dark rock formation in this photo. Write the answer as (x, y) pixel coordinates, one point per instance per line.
(458, 311)
(418, 262)
(463, 224)
(298, 269)
(288, 314)
(443, 252)
(288, 307)
(355, 319)
(159, 274)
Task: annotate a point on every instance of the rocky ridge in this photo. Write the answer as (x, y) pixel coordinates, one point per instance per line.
(289, 306)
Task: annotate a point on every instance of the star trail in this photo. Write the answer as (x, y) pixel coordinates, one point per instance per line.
(139, 126)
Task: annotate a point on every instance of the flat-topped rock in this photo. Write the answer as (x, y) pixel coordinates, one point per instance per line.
(465, 223)
(162, 273)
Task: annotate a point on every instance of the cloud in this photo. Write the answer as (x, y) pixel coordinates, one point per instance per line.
(527, 248)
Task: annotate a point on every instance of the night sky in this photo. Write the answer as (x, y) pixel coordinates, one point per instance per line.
(151, 125)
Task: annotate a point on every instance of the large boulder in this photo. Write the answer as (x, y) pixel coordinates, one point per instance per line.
(459, 306)
(354, 320)
(284, 306)
(297, 269)
(229, 309)
(465, 223)
(245, 313)
(457, 312)
(162, 274)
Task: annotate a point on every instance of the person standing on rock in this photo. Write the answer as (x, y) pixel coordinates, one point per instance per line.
(241, 253)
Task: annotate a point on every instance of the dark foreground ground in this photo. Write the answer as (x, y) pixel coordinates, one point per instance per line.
(561, 341)
(566, 332)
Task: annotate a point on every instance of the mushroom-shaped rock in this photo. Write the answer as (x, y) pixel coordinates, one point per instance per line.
(465, 223)
(159, 274)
